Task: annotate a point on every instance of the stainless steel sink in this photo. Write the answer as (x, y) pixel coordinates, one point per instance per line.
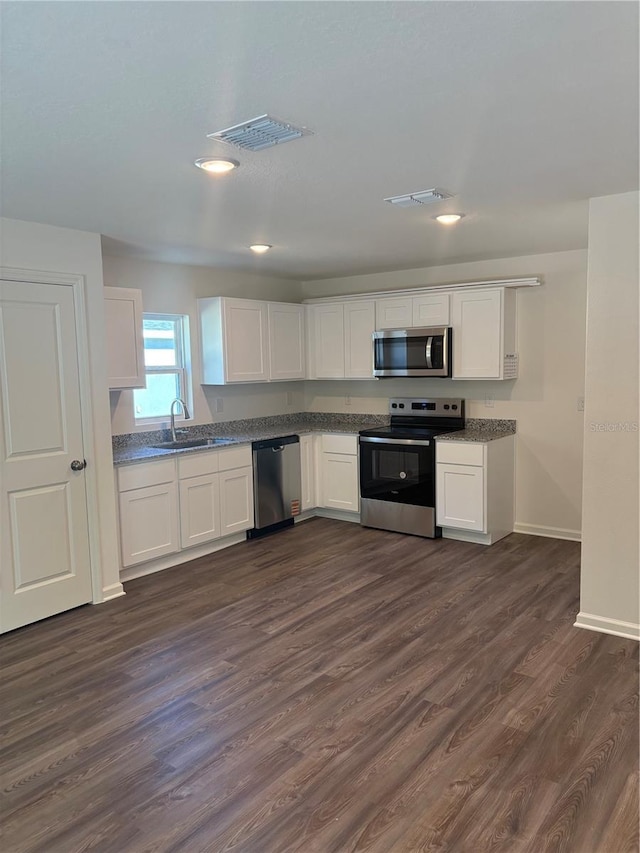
(184, 443)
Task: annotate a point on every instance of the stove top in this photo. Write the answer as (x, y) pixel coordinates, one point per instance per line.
(418, 417)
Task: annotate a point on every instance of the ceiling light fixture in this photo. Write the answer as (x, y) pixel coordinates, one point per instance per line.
(217, 165)
(260, 248)
(449, 218)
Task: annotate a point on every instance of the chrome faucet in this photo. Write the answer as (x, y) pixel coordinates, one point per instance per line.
(172, 412)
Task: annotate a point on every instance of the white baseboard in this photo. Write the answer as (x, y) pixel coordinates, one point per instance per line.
(549, 532)
(604, 625)
(114, 590)
(338, 514)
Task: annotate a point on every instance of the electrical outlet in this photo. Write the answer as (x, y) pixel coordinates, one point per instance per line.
(347, 400)
(219, 405)
(581, 404)
(488, 401)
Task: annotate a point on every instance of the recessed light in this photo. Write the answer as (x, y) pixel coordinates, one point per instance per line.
(449, 218)
(217, 165)
(260, 248)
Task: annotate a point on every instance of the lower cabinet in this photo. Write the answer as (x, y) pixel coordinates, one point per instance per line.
(148, 502)
(308, 472)
(173, 504)
(338, 470)
(475, 489)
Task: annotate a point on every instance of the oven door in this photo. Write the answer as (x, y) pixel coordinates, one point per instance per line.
(412, 352)
(398, 470)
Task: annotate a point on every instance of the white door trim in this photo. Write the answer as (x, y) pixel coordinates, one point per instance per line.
(78, 283)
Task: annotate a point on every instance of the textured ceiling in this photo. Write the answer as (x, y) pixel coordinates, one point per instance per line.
(524, 110)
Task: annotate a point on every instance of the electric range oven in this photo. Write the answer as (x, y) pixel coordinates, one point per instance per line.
(398, 465)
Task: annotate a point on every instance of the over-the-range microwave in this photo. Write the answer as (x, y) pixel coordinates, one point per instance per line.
(412, 352)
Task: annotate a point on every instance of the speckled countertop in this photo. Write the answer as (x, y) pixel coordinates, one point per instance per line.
(136, 447)
(482, 430)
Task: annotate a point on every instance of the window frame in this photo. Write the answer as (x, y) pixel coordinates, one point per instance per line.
(182, 369)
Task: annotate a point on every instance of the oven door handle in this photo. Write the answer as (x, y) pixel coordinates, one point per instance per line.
(415, 441)
(428, 352)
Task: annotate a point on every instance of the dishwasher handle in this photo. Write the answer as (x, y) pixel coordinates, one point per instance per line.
(278, 449)
(278, 443)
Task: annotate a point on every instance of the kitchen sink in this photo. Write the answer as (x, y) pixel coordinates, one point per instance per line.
(184, 443)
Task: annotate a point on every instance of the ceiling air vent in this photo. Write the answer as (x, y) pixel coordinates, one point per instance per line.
(419, 198)
(258, 133)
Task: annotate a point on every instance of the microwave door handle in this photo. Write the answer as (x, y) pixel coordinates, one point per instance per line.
(428, 352)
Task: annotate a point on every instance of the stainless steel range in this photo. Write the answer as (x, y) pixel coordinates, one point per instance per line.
(398, 465)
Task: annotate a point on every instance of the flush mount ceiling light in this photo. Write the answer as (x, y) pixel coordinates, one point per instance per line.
(449, 218)
(258, 133)
(260, 248)
(419, 198)
(217, 165)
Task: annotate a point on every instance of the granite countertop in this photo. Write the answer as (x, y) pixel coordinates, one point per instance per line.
(136, 447)
(481, 430)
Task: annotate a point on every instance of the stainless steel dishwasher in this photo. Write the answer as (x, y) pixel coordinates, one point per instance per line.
(276, 484)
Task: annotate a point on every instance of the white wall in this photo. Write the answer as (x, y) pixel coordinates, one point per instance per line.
(610, 591)
(551, 338)
(173, 289)
(30, 246)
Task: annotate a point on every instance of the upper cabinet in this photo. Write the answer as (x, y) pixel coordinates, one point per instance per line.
(340, 340)
(484, 334)
(246, 340)
(125, 348)
(405, 312)
(286, 341)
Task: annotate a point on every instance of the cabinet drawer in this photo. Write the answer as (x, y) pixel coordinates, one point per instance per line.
(198, 464)
(335, 443)
(234, 457)
(146, 474)
(460, 452)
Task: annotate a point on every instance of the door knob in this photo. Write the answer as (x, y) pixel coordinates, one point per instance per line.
(78, 464)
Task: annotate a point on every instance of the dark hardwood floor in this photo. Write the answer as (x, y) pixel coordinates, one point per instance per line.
(328, 689)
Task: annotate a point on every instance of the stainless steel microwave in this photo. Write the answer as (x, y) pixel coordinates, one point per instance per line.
(412, 352)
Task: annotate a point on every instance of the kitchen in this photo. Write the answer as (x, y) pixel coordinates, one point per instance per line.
(555, 454)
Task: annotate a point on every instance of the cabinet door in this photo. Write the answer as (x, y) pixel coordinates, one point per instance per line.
(460, 498)
(236, 500)
(286, 341)
(125, 349)
(359, 324)
(307, 472)
(431, 310)
(477, 334)
(328, 327)
(199, 510)
(245, 340)
(148, 523)
(340, 487)
(394, 313)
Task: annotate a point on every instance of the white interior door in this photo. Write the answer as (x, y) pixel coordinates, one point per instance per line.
(44, 549)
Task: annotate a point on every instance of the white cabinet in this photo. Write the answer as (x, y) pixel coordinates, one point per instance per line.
(307, 472)
(234, 340)
(125, 348)
(286, 341)
(246, 340)
(199, 510)
(341, 343)
(484, 334)
(405, 312)
(338, 471)
(169, 505)
(148, 511)
(236, 500)
(199, 498)
(475, 489)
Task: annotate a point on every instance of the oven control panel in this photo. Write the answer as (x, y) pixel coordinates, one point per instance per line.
(423, 407)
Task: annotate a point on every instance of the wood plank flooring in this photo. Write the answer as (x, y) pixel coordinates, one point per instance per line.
(329, 689)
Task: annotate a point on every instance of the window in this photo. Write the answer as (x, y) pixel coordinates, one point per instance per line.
(166, 358)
